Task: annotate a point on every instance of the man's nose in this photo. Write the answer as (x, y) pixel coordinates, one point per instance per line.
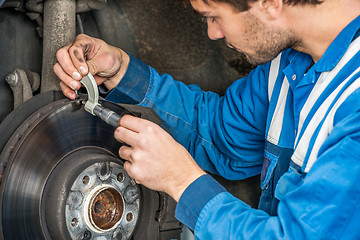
(214, 31)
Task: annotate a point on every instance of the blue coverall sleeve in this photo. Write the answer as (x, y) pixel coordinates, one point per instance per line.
(225, 135)
(227, 132)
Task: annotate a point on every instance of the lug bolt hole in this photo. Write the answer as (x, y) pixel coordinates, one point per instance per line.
(74, 222)
(129, 216)
(120, 177)
(86, 179)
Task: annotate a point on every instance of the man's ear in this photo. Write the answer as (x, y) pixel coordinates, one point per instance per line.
(272, 8)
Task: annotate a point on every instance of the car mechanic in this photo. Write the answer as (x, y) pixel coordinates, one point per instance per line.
(295, 119)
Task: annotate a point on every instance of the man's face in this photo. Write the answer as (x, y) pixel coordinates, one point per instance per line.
(244, 31)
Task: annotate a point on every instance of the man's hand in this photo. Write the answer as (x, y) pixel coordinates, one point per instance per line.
(106, 63)
(154, 158)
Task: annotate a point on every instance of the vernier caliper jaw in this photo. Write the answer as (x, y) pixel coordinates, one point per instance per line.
(92, 104)
(92, 91)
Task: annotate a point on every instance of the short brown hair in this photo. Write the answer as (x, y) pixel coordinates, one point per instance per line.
(243, 5)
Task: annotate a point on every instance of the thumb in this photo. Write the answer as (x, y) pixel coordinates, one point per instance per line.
(104, 65)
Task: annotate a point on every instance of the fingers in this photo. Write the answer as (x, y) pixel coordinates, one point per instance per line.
(72, 58)
(83, 48)
(129, 168)
(69, 81)
(71, 65)
(87, 54)
(68, 92)
(125, 135)
(94, 56)
(104, 63)
(77, 54)
(136, 124)
(125, 152)
(66, 63)
(67, 84)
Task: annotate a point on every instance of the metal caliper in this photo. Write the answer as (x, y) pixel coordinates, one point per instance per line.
(93, 106)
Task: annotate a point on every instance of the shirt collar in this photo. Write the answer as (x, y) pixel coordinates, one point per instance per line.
(335, 51)
(338, 47)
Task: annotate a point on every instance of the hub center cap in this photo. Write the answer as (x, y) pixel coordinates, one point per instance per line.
(103, 202)
(106, 208)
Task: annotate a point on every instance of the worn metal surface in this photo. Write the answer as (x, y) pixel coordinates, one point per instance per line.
(19, 48)
(23, 84)
(81, 5)
(55, 147)
(59, 30)
(102, 203)
(39, 145)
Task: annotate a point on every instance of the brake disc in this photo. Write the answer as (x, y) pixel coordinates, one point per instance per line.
(63, 179)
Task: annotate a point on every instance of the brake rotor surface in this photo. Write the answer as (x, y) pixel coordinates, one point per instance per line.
(45, 157)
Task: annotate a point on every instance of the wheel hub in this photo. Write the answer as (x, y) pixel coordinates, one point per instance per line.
(106, 209)
(103, 201)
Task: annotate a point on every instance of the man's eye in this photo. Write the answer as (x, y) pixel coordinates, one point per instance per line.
(208, 19)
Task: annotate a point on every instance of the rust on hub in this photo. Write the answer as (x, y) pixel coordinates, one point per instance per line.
(106, 209)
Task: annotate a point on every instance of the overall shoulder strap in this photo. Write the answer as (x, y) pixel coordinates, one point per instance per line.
(315, 126)
(276, 124)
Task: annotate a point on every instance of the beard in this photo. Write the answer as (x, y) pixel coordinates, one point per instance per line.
(266, 43)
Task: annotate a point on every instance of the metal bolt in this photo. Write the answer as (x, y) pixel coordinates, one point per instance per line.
(103, 171)
(75, 199)
(11, 78)
(85, 235)
(120, 177)
(74, 222)
(119, 234)
(86, 179)
(129, 216)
